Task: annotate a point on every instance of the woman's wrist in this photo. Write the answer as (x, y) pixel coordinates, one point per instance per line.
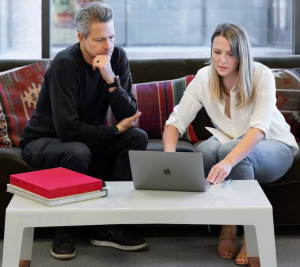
(230, 161)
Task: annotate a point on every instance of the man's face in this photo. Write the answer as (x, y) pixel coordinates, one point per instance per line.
(100, 40)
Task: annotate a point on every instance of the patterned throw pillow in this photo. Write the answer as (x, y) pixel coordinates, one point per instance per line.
(173, 95)
(19, 90)
(156, 101)
(288, 96)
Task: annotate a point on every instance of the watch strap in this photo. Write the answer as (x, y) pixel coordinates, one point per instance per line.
(116, 82)
(116, 130)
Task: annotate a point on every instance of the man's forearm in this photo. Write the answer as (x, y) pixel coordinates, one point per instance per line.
(123, 105)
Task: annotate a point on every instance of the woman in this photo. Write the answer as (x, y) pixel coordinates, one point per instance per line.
(239, 97)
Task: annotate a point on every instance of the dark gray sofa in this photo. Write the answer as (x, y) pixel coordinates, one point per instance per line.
(283, 194)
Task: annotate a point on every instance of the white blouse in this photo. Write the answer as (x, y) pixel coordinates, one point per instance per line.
(262, 113)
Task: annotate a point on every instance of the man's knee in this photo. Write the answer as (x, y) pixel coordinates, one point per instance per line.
(138, 138)
(76, 157)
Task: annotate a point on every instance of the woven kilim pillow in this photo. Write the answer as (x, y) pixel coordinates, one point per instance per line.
(156, 101)
(19, 90)
(288, 96)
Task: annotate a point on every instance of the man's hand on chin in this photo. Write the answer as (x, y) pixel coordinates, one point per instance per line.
(102, 62)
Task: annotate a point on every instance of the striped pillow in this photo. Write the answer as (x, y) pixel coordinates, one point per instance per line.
(156, 101)
(288, 96)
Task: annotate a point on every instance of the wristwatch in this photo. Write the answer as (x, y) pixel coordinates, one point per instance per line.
(116, 83)
(117, 130)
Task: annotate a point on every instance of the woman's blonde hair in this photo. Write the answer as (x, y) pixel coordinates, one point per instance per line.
(241, 51)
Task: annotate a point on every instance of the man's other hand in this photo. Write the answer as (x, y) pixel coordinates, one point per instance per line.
(128, 123)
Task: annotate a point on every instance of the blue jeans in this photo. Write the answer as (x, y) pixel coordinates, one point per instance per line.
(269, 160)
(45, 152)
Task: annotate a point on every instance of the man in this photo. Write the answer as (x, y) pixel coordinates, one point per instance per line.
(67, 128)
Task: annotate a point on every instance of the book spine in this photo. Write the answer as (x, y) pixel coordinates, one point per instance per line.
(75, 189)
(58, 201)
(98, 194)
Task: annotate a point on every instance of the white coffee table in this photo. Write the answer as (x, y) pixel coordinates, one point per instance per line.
(241, 203)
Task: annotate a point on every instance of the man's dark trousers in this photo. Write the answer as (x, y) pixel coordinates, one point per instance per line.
(45, 153)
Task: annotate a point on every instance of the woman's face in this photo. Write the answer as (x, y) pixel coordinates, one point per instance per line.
(223, 59)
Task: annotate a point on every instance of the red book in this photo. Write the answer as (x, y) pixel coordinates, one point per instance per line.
(56, 182)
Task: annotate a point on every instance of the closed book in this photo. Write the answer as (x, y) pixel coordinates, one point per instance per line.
(55, 201)
(56, 182)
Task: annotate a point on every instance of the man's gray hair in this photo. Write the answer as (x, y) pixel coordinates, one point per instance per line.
(93, 12)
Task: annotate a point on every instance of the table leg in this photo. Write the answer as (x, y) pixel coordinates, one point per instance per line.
(266, 244)
(251, 243)
(12, 244)
(260, 241)
(250, 235)
(27, 243)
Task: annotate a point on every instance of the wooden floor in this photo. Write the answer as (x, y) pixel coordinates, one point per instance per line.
(24, 263)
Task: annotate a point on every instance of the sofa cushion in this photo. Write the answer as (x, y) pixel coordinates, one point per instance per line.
(182, 146)
(10, 163)
(288, 96)
(156, 101)
(19, 89)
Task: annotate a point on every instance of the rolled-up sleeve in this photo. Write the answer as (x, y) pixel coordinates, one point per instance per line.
(185, 112)
(265, 103)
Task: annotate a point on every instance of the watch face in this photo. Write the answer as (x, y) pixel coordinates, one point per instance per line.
(117, 80)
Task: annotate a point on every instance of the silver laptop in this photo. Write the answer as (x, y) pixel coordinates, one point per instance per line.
(172, 171)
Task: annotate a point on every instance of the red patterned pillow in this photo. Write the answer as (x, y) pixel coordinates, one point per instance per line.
(173, 95)
(288, 96)
(19, 91)
(156, 101)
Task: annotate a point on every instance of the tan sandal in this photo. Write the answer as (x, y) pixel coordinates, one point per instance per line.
(228, 233)
(242, 255)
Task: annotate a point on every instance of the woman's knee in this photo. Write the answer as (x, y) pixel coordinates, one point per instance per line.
(209, 150)
(226, 148)
(210, 146)
(271, 159)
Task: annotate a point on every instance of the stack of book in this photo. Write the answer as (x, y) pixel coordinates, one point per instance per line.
(56, 186)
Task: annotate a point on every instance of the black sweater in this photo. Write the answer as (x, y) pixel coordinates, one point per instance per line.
(74, 100)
